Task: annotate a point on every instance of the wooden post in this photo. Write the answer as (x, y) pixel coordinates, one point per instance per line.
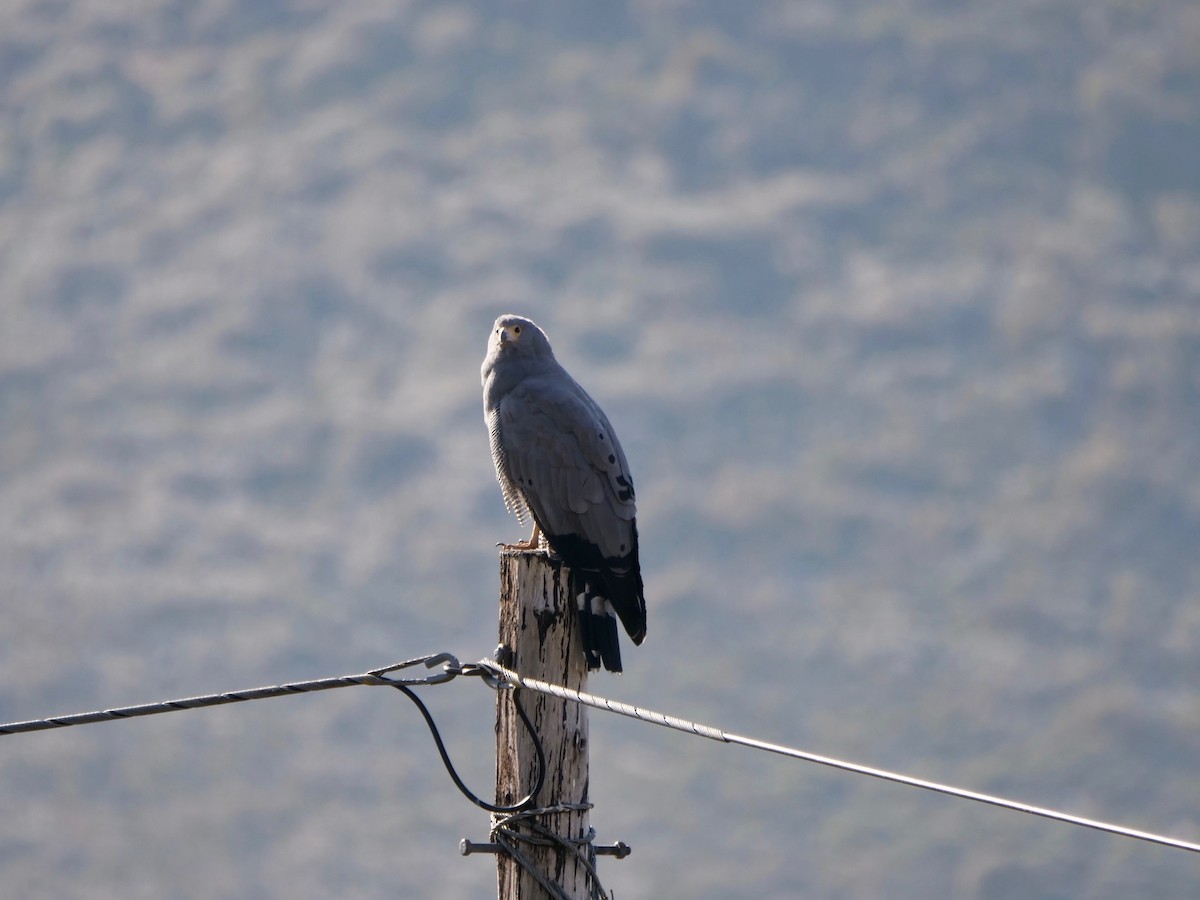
(538, 623)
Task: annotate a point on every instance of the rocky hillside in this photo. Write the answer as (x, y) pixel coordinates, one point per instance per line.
(895, 306)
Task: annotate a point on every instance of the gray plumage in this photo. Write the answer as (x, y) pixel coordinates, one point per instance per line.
(559, 462)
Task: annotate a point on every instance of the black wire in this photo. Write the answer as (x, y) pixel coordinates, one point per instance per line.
(466, 791)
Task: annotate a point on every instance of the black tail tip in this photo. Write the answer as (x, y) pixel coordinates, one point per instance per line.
(600, 643)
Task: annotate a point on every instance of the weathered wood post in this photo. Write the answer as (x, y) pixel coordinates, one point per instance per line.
(538, 623)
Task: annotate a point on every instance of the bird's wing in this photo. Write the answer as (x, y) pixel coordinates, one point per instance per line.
(565, 460)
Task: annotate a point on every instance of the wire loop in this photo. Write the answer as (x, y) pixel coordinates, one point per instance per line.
(518, 807)
(448, 661)
(452, 668)
(508, 837)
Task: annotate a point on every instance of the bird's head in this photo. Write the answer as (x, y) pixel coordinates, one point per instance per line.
(518, 336)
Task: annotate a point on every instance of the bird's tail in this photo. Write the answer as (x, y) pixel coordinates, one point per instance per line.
(598, 628)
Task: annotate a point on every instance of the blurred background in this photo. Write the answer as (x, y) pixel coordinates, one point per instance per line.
(894, 305)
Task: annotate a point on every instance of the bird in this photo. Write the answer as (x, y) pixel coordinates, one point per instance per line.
(560, 464)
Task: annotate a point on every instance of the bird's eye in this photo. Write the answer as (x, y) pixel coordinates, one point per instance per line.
(517, 329)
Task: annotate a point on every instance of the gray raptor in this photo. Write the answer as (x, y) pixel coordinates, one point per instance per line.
(559, 462)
